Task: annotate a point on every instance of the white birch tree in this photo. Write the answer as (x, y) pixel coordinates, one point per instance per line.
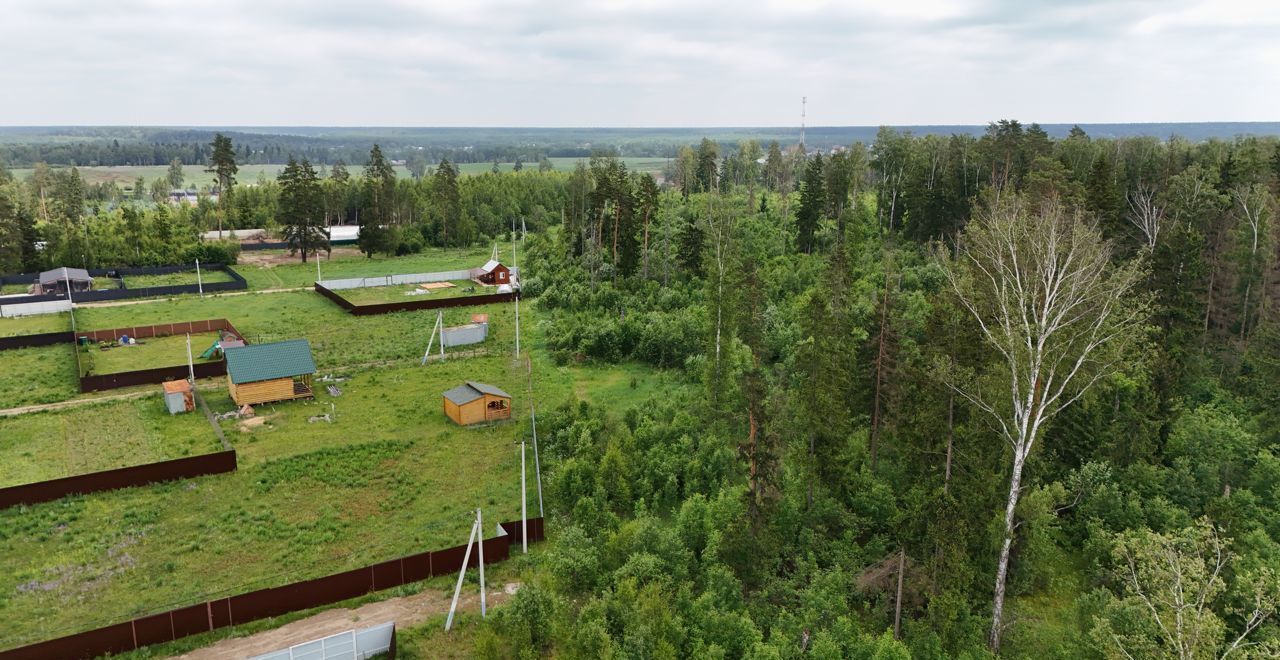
(1057, 315)
(1146, 214)
(1171, 586)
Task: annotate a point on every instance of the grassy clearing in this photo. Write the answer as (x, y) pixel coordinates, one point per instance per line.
(125, 175)
(34, 325)
(49, 445)
(390, 477)
(337, 338)
(373, 295)
(148, 353)
(176, 279)
(298, 274)
(37, 375)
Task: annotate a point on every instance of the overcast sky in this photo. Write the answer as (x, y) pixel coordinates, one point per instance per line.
(636, 63)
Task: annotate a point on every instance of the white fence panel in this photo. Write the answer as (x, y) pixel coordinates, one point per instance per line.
(389, 280)
(31, 309)
(348, 645)
(461, 335)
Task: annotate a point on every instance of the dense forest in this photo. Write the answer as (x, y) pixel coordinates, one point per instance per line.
(23, 147)
(947, 396)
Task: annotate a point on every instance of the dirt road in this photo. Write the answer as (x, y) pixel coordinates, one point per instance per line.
(404, 611)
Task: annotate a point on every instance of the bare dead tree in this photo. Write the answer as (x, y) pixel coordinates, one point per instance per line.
(1146, 214)
(1057, 314)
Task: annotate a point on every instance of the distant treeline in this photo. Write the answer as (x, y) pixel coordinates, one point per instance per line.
(132, 146)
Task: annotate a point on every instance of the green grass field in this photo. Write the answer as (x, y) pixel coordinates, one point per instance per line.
(388, 477)
(148, 353)
(298, 274)
(176, 279)
(372, 295)
(34, 325)
(391, 476)
(337, 338)
(37, 375)
(41, 446)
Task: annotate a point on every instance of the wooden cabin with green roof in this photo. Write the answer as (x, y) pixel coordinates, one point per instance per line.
(263, 373)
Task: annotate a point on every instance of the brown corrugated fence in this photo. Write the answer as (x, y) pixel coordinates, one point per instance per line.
(410, 305)
(99, 382)
(175, 624)
(125, 477)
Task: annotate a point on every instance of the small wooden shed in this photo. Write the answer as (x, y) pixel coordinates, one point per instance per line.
(473, 403)
(493, 273)
(262, 373)
(178, 397)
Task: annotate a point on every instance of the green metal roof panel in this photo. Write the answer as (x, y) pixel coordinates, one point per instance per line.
(282, 359)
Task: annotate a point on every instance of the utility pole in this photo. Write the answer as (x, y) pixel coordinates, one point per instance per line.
(524, 514)
(537, 469)
(191, 369)
(804, 101)
(67, 278)
(480, 545)
(476, 537)
(199, 280)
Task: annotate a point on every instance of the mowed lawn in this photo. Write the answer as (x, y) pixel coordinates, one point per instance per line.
(297, 274)
(48, 445)
(149, 353)
(37, 375)
(373, 295)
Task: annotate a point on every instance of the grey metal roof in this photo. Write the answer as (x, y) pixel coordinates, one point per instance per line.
(59, 274)
(489, 266)
(471, 390)
(488, 389)
(462, 394)
(282, 359)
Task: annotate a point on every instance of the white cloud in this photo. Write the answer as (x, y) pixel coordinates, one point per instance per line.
(635, 62)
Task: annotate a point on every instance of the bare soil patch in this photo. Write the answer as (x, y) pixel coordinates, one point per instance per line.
(404, 611)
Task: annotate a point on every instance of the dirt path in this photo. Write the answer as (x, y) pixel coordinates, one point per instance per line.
(72, 403)
(404, 611)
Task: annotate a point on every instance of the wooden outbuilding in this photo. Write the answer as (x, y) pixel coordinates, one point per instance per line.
(262, 373)
(493, 273)
(178, 397)
(473, 403)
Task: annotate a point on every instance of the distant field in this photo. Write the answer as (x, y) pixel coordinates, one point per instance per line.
(50, 445)
(250, 174)
(148, 353)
